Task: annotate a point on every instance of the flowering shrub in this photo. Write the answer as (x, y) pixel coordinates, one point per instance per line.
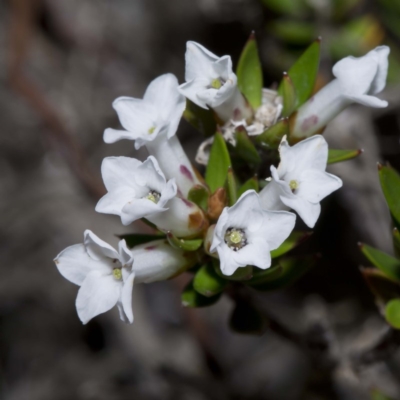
(226, 226)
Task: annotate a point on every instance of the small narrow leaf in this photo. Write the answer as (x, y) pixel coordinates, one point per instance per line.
(262, 276)
(218, 164)
(251, 184)
(134, 239)
(303, 73)
(290, 243)
(245, 148)
(396, 241)
(392, 313)
(249, 73)
(383, 288)
(390, 182)
(232, 188)
(191, 298)
(201, 119)
(247, 319)
(183, 244)
(272, 137)
(288, 92)
(207, 282)
(335, 156)
(199, 195)
(389, 265)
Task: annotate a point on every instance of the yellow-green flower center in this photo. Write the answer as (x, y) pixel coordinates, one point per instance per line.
(293, 184)
(216, 83)
(117, 273)
(153, 196)
(235, 238)
(151, 130)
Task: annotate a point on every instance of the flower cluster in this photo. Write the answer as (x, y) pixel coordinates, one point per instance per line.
(213, 220)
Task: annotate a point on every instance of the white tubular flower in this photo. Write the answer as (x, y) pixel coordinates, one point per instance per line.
(300, 181)
(357, 80)
(245, 234)
(153, 121)
(210, 82)
(105, 276)
(135, 189)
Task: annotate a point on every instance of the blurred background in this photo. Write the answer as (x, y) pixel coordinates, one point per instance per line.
(62, 63)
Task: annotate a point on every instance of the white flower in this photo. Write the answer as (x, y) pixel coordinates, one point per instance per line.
(300, 181)
(210, 82)
(104, 275)
(357, 80)
(245, 234)
(153, 121)
(135, 189)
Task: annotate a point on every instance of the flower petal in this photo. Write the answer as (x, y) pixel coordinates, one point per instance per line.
(98, 294)
(113, 202)
(125, 301)
(191, 89)
(150, 175)
(198, 61)
(316, 185)
(223, 68)
(125, 254)
(308, 212)
(369, 101)
(257, 253)
(117, 172)
(228, 263)
(139, 208)
(98, 249)
(270, 197)
(114, 135)
(380, 54)
(168, 193)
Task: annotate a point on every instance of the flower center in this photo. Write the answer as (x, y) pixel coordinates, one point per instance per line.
(217, 83)
(235, 238)
(293, 184)
(153, 196)
(117, 274)
(151, 130)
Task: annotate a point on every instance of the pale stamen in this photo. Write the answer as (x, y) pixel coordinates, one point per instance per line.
(235, 238)
(153, 196)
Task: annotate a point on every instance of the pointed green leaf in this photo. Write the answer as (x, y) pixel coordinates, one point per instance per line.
(199, 195)
(218, 164)
(245, 148)
(396, 241)
(272, 137)
(191, 298)
(207, 282)
(303, 73)
(335, 156)
(392, 313)
(288, 92)
(203, 120)
(247, 319)
(290, 243)
(293, 269)
(232, 188)
(383, 288)
(389, 265)
(262, 276)
(183, 244)
(390, 182)
(251, 184)
(134, 239)
(249, 73)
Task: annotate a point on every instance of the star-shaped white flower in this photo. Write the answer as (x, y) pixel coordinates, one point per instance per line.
(245, 233)
(104, 275)
(300, 181)
(157, 114)
(135, 189)
(357, 80)
(211, 82)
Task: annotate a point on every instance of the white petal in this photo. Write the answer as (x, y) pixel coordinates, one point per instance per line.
(98, 249)
(113, 202)
(316, 185)
(198, 61)
(308, 212)
(74, 264)
(369, 101)
(191, 90)
(139, 208)
(381, 54)
(219, 230)
(125, 254)
(223, 68)
(168, 193)
(125, 301)
(98, 294)
(228, 263)
(270, 197)
(256, 253)
(118, 171)
(113, 135)
(150, 175)
(216, 97)
(136, 116)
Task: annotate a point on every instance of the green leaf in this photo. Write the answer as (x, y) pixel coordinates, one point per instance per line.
(247, 319)
(288, 92)
(191, 298)
(390, 182)
(296, 32)
(199, 195)
(335, 156)
(392, 313)
(183, 244)
(290, 243)
(134, 239)
(207, 282)
(249, 73)
(287, 7)
(304, 73)
(261, 276)
(293, 269)
(383, 288)
(396, 241)
(232, 188)
(271, 138)
(389, 265)
(203, 120)
(251, 184)
(378, 395)
(245, 148)
(218, 164)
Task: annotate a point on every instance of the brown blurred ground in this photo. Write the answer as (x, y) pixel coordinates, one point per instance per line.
(58, 80)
